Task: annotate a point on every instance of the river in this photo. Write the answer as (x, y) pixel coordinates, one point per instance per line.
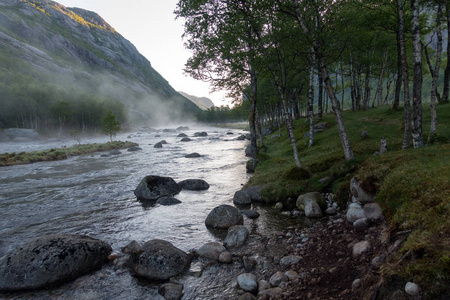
(93, 195)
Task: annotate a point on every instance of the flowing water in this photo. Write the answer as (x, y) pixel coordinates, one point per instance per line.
(93, 195)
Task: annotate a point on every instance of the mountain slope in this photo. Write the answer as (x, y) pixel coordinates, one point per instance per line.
(50, 54)
(203, 103)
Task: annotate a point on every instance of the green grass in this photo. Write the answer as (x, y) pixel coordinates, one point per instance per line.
(412, 185)
(9, 159)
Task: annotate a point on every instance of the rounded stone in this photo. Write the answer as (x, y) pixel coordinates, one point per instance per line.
(194, 185)
(154, 187)
(278, 278)
(412, 289)
(224, 216)
(211, 250)
(225, 257)
(236, 237)
(247, 282)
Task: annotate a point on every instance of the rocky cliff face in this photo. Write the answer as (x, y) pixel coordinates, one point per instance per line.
(203, 103)
(76, 49)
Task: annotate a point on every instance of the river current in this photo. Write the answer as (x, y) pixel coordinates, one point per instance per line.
(93, 195)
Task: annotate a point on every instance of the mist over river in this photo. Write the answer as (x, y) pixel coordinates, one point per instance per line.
(93, 195)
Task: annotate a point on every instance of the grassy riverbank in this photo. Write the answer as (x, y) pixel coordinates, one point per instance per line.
(9, 159)
(412, 186)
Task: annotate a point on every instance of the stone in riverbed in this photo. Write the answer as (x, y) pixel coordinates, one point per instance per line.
(355, 212)
(154, 187)
(159, 260)
(167, 200)
(194, 185)
(223, 217)
(171, 291)
(278, 278)
(247, 282)
(51, 260)
(248, 195)
(211, 250)
(361, 248)
(132, 149)
(193, 155)
(236, 237)
(373, 211)
(251, 214)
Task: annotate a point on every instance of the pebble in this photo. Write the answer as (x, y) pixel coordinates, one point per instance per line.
(412, 289)
(356, 284)
(225, 257)
(277, 279)
(247, 282)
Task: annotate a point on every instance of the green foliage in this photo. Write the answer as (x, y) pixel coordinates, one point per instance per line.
(110, 125)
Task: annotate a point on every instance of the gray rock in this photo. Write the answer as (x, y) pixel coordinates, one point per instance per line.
(115, 152)
(211, 250)
(182, 135)
(290, 260)
(51, 260)
(356, 284)
(321, 126)
(361, 225)
(263, 285)
(364, 134)
(312, 210)
(203, 134)
(171, 291)
(167, 200)
(355, 212)
(331, 211)
(279, 205)
(357, 191)
(193, 155)
(154, 187)
(273, 293)
(251, 214)
(183, 128)
(236, 237)
(412, 289)
(186, 139)
(158, 145)
(315, 197)
(324, 180)
(159, 260)
(278, 278)
(247, 296)
(247, 282)
(224, 216)
(133, 149)
(292, 275)
(132, 247)
(241, 138)
(373, 211)
(194, 185)
(248, 195)
(226, 257)
(360, 248)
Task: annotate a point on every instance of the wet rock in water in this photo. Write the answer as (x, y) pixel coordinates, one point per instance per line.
(224, 216)
(236, 237)
(51, 260)
(248, 195)
(182, 135)
(168, 200)
(171, 291)
(226, 257)
(158, 145)
(241, 138)
(194, 185)
(132, 149)
(105, 155)
(278, 278)
(132, 247)
(183, 128)
(373, 211)
(186, 139)
(115, 152)
(211, 250)
(412, 289)
(197, 134)
(247, 282)
(154, 187)
(251, 214)
(355, 212)
(193, 155)
(360, 248)
(159, 260)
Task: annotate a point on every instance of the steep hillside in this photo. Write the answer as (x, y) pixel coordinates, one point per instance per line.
(58, 64)
(203, 102)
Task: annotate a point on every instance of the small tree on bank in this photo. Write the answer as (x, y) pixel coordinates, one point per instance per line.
(110, 125)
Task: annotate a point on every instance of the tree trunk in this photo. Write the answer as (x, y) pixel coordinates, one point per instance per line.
(352, 84)
(388, 89)
(343, 87)
(417, 80)
(311, 101)
(366, 102)
(380, 80)
(358, 88)
(447, 68)
(320, 96)
(252, 117)
(398, 82)
(405, 75)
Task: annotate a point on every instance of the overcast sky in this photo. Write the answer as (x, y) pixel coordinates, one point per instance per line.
(151, 26)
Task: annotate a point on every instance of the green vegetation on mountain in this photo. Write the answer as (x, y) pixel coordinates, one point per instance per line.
(62, 69)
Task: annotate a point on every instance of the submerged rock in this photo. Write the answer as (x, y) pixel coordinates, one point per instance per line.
(132, 149)
(154, 187)
(251, 214)
(159, 260)
(194, 184)
(51, 260)
(168, 200)
(193, 155)
(224, 216)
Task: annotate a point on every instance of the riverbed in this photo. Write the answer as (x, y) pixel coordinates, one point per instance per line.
(93, 195)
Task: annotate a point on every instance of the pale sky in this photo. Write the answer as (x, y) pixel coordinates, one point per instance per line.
(151, 26)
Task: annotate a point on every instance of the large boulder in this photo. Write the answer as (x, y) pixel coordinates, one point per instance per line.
(312, 210)
(194, 184)
(236, 237)
(159, 260)
(355, 212)
(211, 250)
(315, 197)
(224, 216)
(248, 195)
(151, 188)
(51, 260)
